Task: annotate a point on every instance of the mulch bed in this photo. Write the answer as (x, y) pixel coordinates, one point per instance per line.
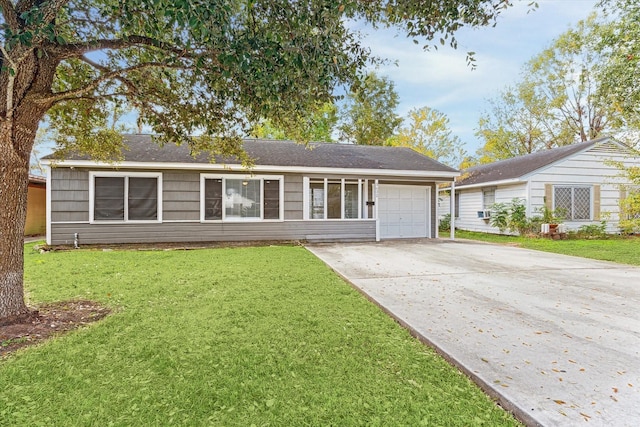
(49, 320)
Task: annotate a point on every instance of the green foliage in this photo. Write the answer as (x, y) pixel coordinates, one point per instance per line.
(428, 132)
(630, 205)
(212, 68)
(630, 213)
(445, 223)
(511, 216)
(592, 231)
(369, 116)
(227, 337)
(620, 47)
(513, 126)
(318, 127)
(555, 103)
(549, 216)
(499, 216)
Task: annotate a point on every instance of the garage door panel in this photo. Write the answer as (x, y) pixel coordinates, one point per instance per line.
(403, 211)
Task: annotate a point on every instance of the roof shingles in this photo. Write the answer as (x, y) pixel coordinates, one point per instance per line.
(141, 148)
(517, 167)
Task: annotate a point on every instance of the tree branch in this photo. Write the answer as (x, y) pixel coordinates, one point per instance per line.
(10, 15)
(51, 8)
(10, 83)
(73, 50)
(128, 83)
(84, 90)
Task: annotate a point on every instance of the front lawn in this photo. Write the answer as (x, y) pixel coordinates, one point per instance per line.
(237, 336)
(625, 250)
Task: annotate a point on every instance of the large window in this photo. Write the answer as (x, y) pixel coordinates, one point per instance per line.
(231, 198)
(336, 199)
(572, 203)
(121, 196)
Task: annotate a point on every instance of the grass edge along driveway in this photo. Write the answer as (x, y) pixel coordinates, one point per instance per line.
(620, 249)
(237, 336)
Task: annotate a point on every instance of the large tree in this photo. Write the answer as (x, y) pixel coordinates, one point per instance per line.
(619, 45)
(555, 103)
(369, 115)
(206, 67)
(427, 131)
(318, 126)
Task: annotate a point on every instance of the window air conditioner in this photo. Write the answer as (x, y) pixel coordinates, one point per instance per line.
(484, 214)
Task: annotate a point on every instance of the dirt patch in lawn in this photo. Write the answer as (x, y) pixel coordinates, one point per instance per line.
(49, 320)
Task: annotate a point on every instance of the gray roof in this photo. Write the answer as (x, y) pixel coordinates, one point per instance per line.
(518, 167)
(141, 148)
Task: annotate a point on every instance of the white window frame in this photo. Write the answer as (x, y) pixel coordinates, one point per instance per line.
(361, 194)
(224, 178)
(488, 190)
(126, 175)
(570, 217)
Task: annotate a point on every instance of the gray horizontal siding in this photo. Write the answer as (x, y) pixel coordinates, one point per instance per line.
(69, 194)
(181, 196)
(293, 197)
(364, 230)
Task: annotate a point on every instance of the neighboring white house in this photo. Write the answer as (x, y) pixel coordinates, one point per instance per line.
(578, 178)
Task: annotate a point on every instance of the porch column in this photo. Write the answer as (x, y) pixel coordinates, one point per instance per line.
(375, 209)
(452, 208)
(436, 234)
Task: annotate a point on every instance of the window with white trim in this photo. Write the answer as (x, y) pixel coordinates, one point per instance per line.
(234, 198)
(573, 203)
(125, 196)
(336, 199)
(488, 197)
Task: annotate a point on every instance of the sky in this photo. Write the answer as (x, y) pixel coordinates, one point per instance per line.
(442, 79)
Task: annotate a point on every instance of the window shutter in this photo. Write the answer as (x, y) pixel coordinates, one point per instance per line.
(623, 195)
(596, 202)
(548, 196)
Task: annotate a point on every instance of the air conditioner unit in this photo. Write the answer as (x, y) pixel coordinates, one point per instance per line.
(484, 214)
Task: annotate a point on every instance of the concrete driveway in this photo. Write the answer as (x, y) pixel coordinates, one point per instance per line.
(556, 339)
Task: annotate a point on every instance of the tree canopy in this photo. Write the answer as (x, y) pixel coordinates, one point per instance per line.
(319, 126)
(556, 102)
(427, 131)
(619, 72)
(369, 116)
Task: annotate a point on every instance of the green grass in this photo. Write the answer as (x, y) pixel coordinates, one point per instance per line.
(625, 250)
(226, 337)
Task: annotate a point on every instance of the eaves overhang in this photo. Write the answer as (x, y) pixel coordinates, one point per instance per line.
(447, 175)
(490, 183)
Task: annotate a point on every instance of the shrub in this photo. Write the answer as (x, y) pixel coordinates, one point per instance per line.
(511, 216)
(499, 216)
(445, 223)
(592, 231)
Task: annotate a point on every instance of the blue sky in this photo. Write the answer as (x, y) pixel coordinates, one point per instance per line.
(442, 80)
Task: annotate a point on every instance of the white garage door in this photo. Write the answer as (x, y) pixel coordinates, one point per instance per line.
(403, 211)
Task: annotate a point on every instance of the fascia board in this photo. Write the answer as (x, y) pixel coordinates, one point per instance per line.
(489, 184)
(257, 168)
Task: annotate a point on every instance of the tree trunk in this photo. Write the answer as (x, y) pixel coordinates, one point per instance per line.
(14, 181)
(17, 135)
(21, 110)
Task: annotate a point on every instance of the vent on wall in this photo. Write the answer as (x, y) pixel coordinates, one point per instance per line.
(484, 214)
